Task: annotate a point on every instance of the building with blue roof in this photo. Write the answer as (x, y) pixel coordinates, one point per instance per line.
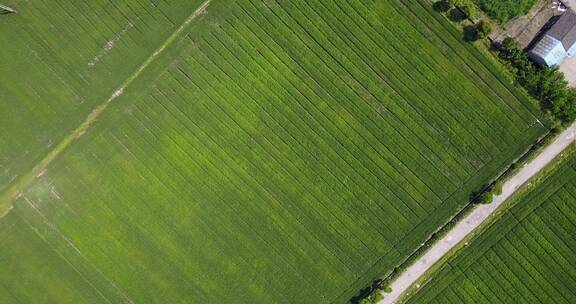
(558, 43)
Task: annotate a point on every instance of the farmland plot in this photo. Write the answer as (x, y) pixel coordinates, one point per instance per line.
(528, 256)
(276, 152)
(59, 59)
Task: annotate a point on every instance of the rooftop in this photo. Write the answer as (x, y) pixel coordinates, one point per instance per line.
(565, 29)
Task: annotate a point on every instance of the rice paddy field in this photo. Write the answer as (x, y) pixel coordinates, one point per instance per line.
(527, 256)
(61, 59)
(251, 152)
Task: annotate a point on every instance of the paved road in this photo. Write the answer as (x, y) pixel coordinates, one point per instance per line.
(477, 216)
(570, 3)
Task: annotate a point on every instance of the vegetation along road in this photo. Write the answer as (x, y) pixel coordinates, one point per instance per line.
(478, 216)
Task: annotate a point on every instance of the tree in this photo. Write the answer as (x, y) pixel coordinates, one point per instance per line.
(483, 29)
(565, 109)
(509, 43)
(456, 15)
(547, 85)
(441, 6)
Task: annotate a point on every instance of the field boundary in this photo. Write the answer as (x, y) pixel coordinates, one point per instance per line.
(12, 192)
(481, 214)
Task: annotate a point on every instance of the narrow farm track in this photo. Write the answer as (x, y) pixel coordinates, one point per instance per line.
(480, 214)
(7, 197)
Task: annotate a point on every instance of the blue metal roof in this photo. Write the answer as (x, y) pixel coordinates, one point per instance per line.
(549, 51)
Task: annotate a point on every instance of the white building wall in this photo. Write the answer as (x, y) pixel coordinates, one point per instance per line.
(572, 51)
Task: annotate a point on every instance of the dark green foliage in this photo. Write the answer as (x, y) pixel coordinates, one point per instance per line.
(545, 84)
(470, 33)
(504, 10)
(442, 6)
(456, 15)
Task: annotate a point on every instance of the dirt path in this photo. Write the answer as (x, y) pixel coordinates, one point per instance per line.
(477, 217)
(12, 192)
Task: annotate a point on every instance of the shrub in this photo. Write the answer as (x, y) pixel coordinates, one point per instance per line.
(509, 43)
(486, 198)
(498, 187)
(470, 11)
(377, 297)
(387, 289)
(483, 29)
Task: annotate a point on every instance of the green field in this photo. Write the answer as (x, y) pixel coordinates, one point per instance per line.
(272, 152)
(60, 59)
(528, 256)
(504, 10)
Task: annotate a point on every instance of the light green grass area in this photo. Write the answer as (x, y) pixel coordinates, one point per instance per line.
(504, 10)
(527, 256)
(34, 273)
(274, 152)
